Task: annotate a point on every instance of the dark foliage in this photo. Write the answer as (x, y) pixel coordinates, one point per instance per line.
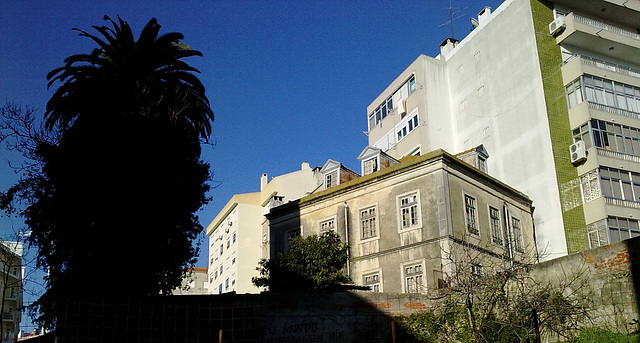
(113, 212)
(312, 263)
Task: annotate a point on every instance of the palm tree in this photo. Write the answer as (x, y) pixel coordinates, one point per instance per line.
(125, 77)
(121, 188)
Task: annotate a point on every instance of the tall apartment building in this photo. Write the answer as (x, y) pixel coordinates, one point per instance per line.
(11, 273)
(531, 82)
(239, 235)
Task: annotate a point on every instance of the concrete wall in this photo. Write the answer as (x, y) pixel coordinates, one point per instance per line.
(611, 275)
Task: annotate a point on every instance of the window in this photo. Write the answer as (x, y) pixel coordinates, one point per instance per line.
(226, 284)
(604, 92)
(220, 269)
(404, 128)
(234, 237)
(597, 233)
(620, 184)
(291, 235)
(414, 278)
(215, 274)
(412, 84)
(516, 229)
(368, 226)
(476, 270)
(328, 225)
(228, 243)
(622, 228)
(409, 211)
(390, 103)
(370, 166)
(609, 136)
(496, 231)
(220, 289)
(221, 248)
(211, 261)
(331, 179)
(233, 261)
(470, 213)
(372, 281)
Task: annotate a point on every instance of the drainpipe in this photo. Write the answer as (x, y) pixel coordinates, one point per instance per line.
(346, 234)
(508, 229)
(535, 241)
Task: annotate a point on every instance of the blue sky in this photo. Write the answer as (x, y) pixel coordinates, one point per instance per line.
(288, 81)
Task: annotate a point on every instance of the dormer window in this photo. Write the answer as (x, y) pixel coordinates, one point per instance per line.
(331, 179)
(373, 159)
(370, 165)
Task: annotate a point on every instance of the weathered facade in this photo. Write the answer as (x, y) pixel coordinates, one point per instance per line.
(405, 222)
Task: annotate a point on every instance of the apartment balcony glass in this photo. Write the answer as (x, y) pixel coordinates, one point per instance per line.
(612, 96)
(595, 35)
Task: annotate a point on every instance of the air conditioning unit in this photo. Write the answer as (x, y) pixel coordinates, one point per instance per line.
(557, 26)
(578, 152)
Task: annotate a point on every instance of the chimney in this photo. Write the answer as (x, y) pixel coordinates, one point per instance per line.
(305, 165)
(263, 181)
(447, 46)
(483, 16)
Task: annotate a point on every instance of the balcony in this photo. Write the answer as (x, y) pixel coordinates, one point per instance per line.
(603, 38)
(622, 203)
(578, 65)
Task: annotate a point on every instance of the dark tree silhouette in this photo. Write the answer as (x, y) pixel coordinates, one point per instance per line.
(114, 213)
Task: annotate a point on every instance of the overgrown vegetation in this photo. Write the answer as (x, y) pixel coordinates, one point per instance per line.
(312, 263)
(492, 298)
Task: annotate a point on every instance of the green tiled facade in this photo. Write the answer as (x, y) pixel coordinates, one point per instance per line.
(558, 115)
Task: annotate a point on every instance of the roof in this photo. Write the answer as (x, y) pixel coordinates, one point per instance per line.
(243, 198)
(406, 164)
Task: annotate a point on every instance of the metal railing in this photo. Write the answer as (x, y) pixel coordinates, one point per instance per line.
(606, 27)
(613, 110)
(609, 66)
(622, 203)
(618, 155)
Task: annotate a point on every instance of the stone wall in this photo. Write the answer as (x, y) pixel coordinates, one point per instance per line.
(610, 279)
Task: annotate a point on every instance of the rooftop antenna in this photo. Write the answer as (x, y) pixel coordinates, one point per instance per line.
(453, 15)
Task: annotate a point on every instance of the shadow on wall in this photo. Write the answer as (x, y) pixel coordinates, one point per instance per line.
(292, 317)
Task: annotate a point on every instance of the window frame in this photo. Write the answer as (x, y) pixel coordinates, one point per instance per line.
(418, 212)
(327, 221)
(496, 227)
(471, 218)
(373, 282)
(422, 273)
(369, 219)
(517, 240)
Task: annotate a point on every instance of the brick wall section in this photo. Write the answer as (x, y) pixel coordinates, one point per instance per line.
(550, 60)
(611, 278)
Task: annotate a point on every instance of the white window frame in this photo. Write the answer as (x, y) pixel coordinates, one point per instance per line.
(471, 218)
(422, 274)
(493, 229)
(400, 207)
(362, 219)
(327, 221)
(518, 240)
(287, 237)
(373, 279)
(375, 168)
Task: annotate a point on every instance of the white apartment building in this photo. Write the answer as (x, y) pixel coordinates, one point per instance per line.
(530, 81)
(11, 271)
(239, 235)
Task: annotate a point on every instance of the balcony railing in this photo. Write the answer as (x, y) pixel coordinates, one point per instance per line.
(613, 110)
(622, 203)
(606, 27)
(618, 155)
(610, 66)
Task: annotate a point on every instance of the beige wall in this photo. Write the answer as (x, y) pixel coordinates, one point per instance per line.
(439, 181)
